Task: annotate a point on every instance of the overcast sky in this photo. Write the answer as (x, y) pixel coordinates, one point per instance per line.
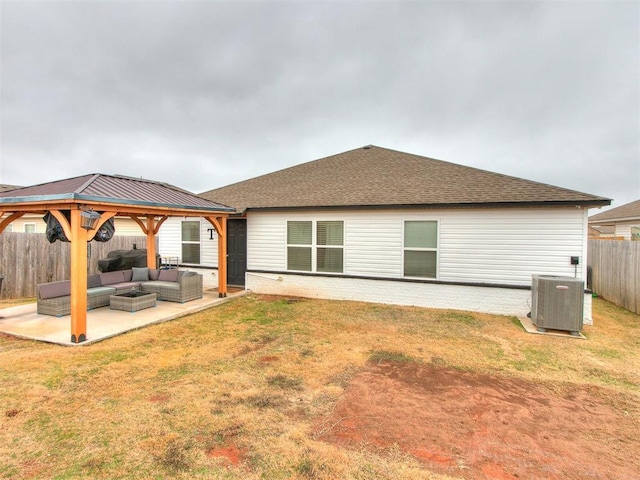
(201, 94)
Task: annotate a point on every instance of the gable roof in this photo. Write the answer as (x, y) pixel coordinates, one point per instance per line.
(626, 212)
(376, 177)
(4, 188)
(111, 189)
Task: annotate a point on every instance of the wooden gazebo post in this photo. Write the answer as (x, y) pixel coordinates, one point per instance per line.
(151, 242)
(220, 224)
(78, 279)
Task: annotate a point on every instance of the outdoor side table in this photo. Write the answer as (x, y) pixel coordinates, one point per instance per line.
(132, 301)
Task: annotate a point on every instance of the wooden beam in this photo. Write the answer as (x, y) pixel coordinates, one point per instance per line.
(220, 224)
(151, 242)
(11, 218)
(143, 227)
(159, 224)
(78, 238)
(66, 228)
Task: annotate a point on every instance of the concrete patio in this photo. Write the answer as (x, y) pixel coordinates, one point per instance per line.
(22, 320)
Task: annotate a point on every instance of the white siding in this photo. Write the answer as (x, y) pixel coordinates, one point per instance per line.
(494, 246)
(170, 236)
(508, 246)
(126, 226)
(266, 242)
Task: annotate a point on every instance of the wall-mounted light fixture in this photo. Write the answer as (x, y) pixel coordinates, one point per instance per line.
(88, 219)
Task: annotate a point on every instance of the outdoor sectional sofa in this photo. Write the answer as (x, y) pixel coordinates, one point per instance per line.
(169, 285)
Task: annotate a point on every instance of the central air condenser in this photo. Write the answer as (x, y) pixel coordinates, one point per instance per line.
(557, 303)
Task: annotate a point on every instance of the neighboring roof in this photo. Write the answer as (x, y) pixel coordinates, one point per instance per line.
(112, 189)
(378, 177)
(626, 212)
(603, 229)
(5, 188)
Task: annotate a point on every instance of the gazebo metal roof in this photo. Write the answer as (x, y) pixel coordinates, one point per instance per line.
(113, 190)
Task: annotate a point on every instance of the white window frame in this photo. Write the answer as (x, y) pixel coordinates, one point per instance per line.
(300, 245)
(314, 246)
(435, 249)
(191, 242)
(32, 225)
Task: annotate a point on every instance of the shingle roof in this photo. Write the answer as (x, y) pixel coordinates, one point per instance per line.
(378, 177)
(113, 189)
(5, 188)
(628, 211)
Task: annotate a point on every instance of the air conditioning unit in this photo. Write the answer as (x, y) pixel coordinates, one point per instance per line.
(557, 303)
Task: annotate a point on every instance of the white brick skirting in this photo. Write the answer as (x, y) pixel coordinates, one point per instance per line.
(502, 301)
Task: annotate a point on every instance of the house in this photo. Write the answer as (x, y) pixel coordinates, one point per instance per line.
(604, 232)
(379, 225)
(624, 220)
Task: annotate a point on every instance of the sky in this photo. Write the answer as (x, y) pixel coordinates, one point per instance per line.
(201, 94)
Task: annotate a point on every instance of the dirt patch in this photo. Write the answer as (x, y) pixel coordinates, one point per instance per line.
(478, 426)
(230, 454)
(269, 359)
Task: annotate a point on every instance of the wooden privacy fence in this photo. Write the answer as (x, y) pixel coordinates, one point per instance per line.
(615, 272)
(27, 259)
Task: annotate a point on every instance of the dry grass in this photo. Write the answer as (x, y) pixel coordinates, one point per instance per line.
(239, 391)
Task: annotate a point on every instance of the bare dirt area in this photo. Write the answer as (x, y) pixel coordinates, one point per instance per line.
(476, 426)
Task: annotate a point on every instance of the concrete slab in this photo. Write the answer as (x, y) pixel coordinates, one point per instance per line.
(531, 328)
(22, 320)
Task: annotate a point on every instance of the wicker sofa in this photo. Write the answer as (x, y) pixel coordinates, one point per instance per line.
(169, 285)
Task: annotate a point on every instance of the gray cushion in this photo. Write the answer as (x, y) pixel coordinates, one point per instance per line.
(124, 285)
(54, 290)
(140, 274)
(93, 281)
(128, 275)
(107, 278)
(168, 276)
(92, 292)
(153, 273)
(155, 286)
(188, 274)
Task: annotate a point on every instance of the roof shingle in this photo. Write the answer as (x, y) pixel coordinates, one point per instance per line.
(378, 177)
(628, 211)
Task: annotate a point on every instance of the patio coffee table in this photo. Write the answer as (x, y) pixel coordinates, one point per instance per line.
(132, 301)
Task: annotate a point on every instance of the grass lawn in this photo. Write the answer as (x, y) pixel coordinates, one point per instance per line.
(239, 391)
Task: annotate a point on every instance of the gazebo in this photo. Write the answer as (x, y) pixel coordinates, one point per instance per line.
(83, 204)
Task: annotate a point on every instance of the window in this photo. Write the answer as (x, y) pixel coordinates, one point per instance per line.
(191, 242)
(29, 228)
(9, 228)
(330, 239)
(635, 233)
(326, 253)
(420, 249)
(299, 237)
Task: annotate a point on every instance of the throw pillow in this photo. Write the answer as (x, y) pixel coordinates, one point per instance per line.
(153, 273)
(140, 274)
(168, 275)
